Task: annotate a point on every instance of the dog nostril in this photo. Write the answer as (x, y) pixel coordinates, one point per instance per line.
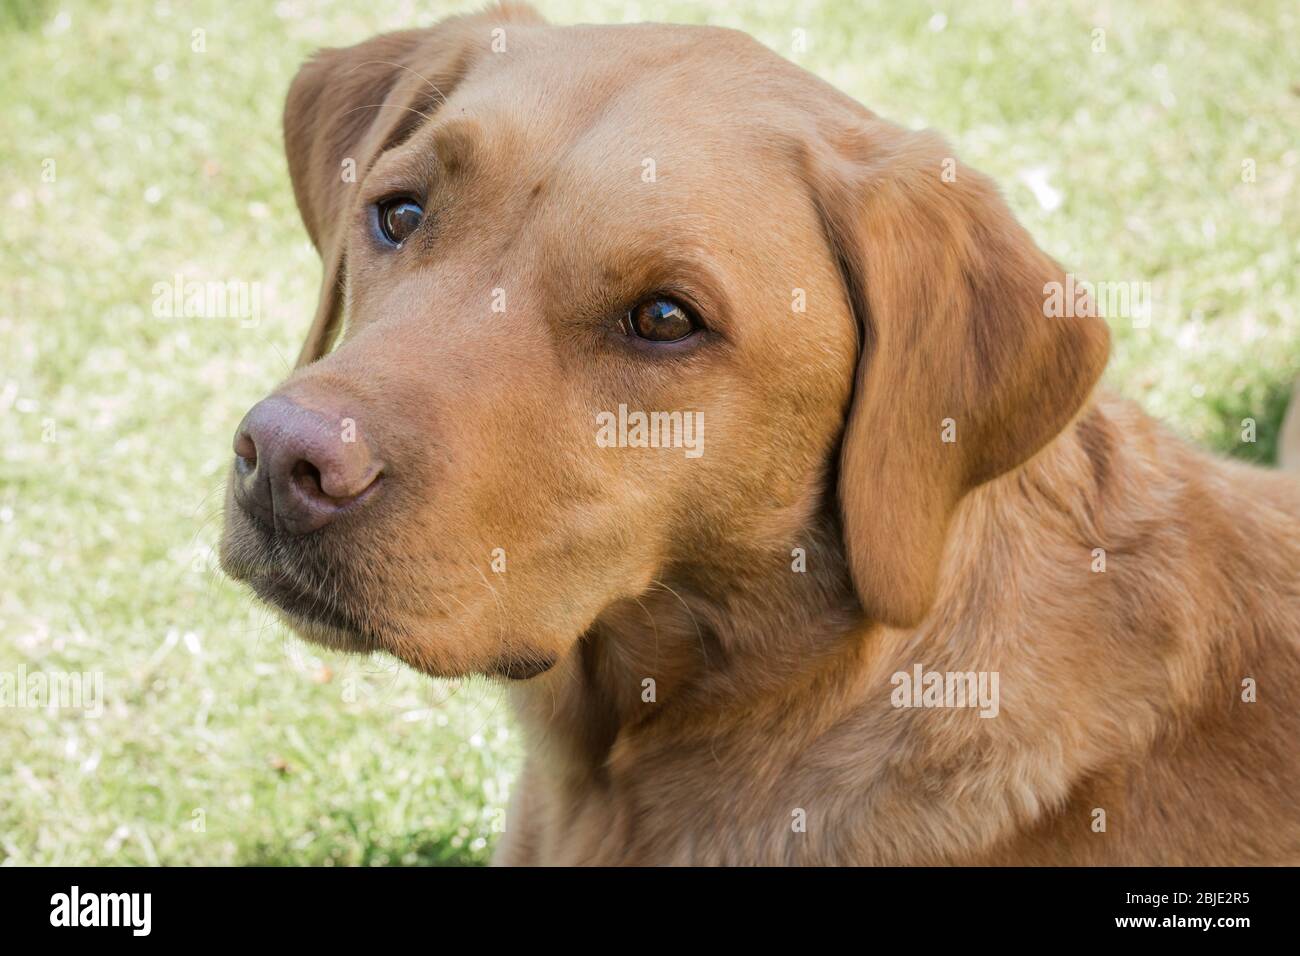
(307, 477)
(245, 449)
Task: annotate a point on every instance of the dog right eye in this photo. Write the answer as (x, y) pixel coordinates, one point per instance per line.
(659, 320)
(398, 218)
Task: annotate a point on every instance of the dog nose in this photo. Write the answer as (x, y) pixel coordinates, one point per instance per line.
(298, 468)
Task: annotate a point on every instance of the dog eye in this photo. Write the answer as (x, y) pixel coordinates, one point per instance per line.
(398, 218)
(659, 320)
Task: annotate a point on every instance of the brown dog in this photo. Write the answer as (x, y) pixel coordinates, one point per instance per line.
(762, 648)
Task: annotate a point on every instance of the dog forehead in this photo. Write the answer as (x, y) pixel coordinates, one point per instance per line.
(594, 103)
(571, 79)
(619, 47)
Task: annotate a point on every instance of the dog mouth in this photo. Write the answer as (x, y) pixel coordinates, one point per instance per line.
(315, 616)
(323, 621)
(253, 554)
(317, 597)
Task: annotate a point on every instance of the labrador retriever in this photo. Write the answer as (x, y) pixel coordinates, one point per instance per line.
(726, 422)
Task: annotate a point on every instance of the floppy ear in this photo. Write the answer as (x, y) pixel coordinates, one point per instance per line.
(962, 376)
(347, 106)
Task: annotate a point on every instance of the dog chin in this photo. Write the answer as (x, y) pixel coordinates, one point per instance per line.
(326, 635)
(514, 667)
(312, 617)
(330, 625)
(517, 667)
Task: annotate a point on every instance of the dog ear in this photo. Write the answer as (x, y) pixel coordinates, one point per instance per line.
(347, 106)
(962, 375)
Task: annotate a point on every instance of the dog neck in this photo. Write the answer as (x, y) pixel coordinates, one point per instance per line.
(710, 636)
(725, 651)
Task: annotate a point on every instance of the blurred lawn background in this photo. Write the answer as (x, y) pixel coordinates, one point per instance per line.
(1125, 163)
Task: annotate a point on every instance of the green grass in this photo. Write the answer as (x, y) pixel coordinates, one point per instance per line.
(169, 161)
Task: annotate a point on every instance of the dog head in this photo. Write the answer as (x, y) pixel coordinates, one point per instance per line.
(617, 302)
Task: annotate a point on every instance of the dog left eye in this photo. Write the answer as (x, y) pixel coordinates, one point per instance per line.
(659, 320)
(398, 218)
